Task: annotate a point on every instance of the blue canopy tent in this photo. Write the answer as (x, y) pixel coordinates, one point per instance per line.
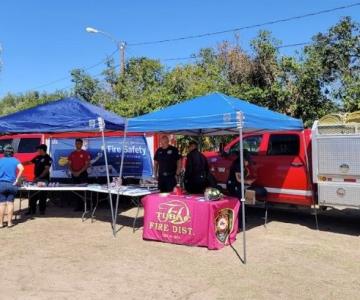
(215, 114)
(66, 115)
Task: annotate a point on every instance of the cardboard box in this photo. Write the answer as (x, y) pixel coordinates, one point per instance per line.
(250, 197)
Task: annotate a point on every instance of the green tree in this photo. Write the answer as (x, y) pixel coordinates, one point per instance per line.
(85, 86)
(11, 103)
(334, 57)
(140, 88)
(323, 77)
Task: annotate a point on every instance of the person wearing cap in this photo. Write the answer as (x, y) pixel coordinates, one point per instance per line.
(233, 184)
(234, 181)
(42, 163)
(79, 162)
(10, 172)
(196, 170)
(167, 165)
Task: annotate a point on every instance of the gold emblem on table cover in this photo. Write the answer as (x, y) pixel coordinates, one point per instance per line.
(175, 212)
(224, 224)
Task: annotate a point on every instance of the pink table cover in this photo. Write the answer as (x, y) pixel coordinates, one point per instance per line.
(186, 220)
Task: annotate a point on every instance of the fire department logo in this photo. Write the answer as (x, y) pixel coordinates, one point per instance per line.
(341, 192)
(224, 224)
(175, 212)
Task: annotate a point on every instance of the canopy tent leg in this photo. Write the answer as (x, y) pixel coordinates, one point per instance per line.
(240, 126)
(266, 206)
(200, 140)
(102, 128)
(120, 176)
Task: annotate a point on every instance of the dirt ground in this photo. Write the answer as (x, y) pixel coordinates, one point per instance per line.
(59, 257)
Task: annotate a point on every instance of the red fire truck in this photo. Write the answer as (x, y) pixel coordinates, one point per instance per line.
(278, 161)
(319, 166)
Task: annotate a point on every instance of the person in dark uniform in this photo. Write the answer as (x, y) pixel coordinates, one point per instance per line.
(167, 165)
(79, 162)
(234, 181)
(233, 184)
(196, 170)
(42, 163)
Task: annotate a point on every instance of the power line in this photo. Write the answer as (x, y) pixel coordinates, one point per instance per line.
(321, 12)
(198, 56)
(93, 76)
(191, 57)
(69, 77)
(293, 45)
(179, 58)
(102, 61)
(209, 34)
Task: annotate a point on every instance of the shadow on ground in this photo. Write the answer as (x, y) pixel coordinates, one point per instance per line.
(346, 221)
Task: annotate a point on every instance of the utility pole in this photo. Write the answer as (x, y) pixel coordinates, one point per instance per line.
(122, 46)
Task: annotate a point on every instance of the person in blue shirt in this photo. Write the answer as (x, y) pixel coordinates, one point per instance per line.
(10, 172)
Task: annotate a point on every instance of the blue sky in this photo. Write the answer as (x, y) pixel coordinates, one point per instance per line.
(43, 40)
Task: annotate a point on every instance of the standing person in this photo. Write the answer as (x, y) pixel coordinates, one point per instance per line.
(8, 183)
(42, 163)
(79, 162)
(196, 170)
(167, 165)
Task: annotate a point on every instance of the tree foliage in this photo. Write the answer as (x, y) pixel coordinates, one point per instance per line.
(322, 78)
(335, 57)
(12, 103)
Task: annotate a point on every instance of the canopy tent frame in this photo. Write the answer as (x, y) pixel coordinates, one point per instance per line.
(242, 200)
(216, 114)
(102, 130)
(115, 213)
(66, 115)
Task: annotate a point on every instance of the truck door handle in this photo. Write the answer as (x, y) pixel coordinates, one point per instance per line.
(297, 164)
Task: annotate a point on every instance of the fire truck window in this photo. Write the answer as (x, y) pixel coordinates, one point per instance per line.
(28, 145)
(4, 143)
(284, 144)
(250, 143)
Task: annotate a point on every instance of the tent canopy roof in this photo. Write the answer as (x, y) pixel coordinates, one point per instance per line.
(213, 114)
(64, 115)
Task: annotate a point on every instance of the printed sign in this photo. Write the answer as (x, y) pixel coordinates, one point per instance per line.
(173, 217)
(137, 158)
(186, 220)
